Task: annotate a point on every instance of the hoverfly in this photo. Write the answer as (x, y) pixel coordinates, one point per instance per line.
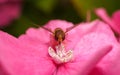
(58, 33)
(60, 55)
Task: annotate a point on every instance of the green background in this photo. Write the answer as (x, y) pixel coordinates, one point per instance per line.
(41, 11)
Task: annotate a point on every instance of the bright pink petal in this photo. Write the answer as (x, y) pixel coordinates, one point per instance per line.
(103, 15)
(89, 41)
(95, 26)
(40, 35)
(116, 20)
(94, 43)
(35, 35)
(109, 64)
(119, 39)
(88, 52)
(86, 28)
(19, 59)
(36, 38)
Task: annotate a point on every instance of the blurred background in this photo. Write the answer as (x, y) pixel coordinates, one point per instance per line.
(18, 15)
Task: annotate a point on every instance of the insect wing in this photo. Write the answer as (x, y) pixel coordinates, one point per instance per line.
(43, 28)
(70, 28)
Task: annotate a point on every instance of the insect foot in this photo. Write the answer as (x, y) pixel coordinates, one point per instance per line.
(60, 55)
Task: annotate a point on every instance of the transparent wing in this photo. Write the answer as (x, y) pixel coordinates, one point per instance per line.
(70, 28)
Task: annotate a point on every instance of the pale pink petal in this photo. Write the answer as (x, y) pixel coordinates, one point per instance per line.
(103, 15)
(19, 59)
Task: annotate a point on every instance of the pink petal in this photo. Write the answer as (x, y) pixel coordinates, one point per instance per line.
(86, 28)
(2, 70)
(95, 26)
(28, 55)
(116, 19)
(19, 59)
(109, 64)
(14, 9)
(103, 15)
(119, 39)
(34, 35)
(3, 1)
(9, 10)
(88, 52)
(58, 24)
(108, 37)
(36, 38)
(94, 44)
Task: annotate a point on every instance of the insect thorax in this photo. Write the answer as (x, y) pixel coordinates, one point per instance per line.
(59, 35)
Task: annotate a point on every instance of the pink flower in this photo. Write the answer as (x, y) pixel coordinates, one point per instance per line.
(113, 21)
(9, 10)
(92, 47)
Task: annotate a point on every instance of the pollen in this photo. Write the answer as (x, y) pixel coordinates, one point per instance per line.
(60, 55)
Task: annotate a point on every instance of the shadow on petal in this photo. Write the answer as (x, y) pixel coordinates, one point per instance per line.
(97, 71)
(3, 71)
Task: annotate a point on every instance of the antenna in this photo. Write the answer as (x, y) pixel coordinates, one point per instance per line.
(43, 27)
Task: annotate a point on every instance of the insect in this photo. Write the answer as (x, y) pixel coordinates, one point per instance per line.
(59, 34)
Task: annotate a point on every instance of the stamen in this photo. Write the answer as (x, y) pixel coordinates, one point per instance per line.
(60, 55)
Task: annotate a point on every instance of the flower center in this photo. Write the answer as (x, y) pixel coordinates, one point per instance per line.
(60, 55)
